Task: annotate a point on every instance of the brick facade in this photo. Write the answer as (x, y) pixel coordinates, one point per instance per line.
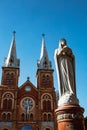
(39, 113)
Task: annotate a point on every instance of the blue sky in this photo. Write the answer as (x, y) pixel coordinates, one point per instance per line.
(57, 19)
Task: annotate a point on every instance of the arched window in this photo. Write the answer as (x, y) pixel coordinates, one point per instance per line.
(46, 102)
(10, 104)
(8, 75)
(8, 116)
(49, 105)
(23, 117)
(5, 102)
(44, 105)
(43, 80)
(7, 78)
(46, 80)
(49, 117)
(31, 117)
(12, 75)
(10, 78)
(45, 117)
(45, 64)
(4, 116)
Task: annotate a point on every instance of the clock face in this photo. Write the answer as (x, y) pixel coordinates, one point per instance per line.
(27, 102)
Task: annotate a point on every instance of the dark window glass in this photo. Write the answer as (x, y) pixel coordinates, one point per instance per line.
(49, 117)
(45, 117)
(8, 116)
(31, 117)
(4, 117)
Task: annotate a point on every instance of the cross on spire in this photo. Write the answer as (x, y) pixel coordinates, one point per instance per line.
(14, 32)
(28, 78)
(43, 34)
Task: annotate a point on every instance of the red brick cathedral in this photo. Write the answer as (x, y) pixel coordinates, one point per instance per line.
(27, 107)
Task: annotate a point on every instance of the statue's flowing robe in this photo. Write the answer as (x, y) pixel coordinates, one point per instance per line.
(65, 65)
(66, 71)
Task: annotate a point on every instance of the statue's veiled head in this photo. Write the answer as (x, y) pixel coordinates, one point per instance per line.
(62, 43)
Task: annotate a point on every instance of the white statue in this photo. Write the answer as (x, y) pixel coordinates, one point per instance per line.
(65, 66)
(26, 104)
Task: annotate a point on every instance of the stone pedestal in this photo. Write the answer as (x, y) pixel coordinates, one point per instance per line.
(70, 117)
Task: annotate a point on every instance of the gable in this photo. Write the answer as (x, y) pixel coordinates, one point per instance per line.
(27, 89)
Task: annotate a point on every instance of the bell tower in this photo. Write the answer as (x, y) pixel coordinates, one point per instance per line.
(45, 86)
(9, 88)
(44, 69)
(10, 70)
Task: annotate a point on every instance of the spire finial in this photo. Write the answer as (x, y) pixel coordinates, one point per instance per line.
(11, 60)
(14, 32)
(28, 78)
(43, 34)
(44, 62)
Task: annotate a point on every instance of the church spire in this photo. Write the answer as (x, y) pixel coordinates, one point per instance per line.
(11, 60)
(44, 62)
